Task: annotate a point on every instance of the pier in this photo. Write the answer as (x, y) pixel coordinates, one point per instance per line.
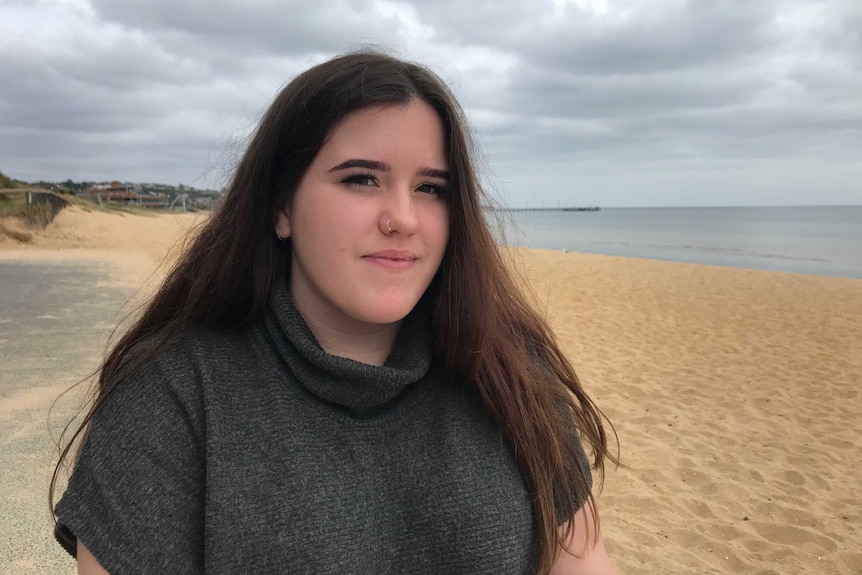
(557, 209)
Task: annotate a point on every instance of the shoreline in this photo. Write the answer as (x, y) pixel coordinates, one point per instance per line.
(810, 241)
(162, 241)
(21, 253)
(853, 275)
(846, 276)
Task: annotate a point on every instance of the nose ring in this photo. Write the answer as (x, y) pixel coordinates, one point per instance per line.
(388, 227)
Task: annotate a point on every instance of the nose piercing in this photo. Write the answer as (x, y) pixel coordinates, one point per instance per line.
(388, 227)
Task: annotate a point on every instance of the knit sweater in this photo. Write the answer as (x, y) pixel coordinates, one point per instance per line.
(258, 452)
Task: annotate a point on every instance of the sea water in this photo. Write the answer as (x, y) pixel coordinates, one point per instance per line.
(810, 240)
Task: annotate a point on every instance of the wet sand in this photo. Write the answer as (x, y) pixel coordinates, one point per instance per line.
(735, 393)
(55, 317)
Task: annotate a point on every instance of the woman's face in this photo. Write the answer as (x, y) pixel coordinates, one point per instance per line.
(382, 168)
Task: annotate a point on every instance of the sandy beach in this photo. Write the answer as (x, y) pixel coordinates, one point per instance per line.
(735, 393)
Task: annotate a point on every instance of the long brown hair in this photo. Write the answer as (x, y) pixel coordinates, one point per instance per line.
(487, 334)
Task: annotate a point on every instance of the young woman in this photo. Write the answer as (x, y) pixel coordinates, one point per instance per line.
(340, 375)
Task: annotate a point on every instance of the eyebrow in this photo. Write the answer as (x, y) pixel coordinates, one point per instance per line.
(384, 167)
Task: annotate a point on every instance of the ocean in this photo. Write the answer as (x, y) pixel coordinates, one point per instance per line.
(809, 240)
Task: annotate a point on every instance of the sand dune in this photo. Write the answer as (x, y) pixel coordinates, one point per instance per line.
(111, 233)
(735, 394)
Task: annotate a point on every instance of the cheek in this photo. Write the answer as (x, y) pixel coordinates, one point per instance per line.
(329, 239)
(440, 229)
(345, 216)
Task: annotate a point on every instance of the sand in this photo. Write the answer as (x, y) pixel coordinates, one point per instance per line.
(735, 395)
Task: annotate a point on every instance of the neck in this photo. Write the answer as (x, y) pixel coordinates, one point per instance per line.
(370, 344)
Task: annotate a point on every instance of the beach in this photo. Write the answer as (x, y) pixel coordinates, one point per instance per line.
(735, 393)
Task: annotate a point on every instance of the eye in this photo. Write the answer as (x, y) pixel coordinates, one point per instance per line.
(362, 180)
(433, 189)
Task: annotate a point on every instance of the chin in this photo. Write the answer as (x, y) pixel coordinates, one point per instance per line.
(389, 311)
(383, 318)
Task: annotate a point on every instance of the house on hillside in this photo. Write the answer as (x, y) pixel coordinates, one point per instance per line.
(119, 193)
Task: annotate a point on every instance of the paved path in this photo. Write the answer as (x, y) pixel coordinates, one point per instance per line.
(55, 319)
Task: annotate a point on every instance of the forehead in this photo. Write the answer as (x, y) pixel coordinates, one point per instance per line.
(411, 130)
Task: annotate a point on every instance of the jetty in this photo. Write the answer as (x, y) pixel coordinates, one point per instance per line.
(557, 209)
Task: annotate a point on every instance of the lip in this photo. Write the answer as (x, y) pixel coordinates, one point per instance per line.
(392, 259)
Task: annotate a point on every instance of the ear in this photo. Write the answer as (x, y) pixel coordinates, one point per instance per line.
(282, 224)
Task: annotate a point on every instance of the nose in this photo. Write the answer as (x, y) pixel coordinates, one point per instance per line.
(399, 215)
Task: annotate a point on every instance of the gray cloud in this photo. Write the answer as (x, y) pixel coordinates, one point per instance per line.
(642, 102)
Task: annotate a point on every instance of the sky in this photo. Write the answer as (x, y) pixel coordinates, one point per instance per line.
(609, 103)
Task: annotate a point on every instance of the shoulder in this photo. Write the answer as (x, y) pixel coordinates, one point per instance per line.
(196, 354)
(199, 347)
(176, 377)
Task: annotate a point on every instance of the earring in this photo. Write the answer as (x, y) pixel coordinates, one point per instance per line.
(278, 235)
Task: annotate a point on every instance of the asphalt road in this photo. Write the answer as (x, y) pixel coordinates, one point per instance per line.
(55, 321)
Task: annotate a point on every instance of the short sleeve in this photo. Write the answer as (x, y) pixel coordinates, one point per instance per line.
(581, 462)
(135, 497)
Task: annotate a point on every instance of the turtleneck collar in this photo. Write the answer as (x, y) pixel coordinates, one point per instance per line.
(359, 387)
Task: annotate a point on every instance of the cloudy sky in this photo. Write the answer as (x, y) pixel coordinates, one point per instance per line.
(574, 102)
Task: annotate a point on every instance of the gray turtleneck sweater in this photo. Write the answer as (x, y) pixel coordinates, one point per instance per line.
(258, 452)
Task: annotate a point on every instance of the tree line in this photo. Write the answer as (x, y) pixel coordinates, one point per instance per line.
(68, 186)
